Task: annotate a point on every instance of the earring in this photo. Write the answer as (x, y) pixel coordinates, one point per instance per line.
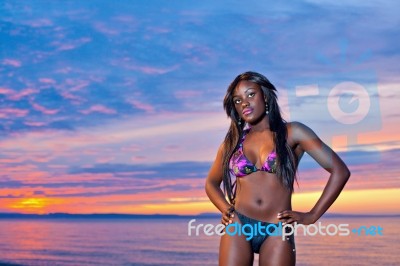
(266, 108)
(240, 121)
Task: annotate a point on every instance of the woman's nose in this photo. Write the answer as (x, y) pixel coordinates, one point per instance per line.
(245, 103)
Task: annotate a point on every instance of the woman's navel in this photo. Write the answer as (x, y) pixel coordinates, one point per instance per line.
(259, 202)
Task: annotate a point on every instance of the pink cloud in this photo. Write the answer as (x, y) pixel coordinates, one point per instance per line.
(47, 80)
(74, 98)
(44, 110)
(12, 62)
(74, 84)
(72, 44)
(34, 124)
(68, 88)
(18, 95)
(131, 148)
(10, 160)
(42, 22)
(65, 47)
(14, 95)
(155, 70)
(99, 109)
(142, 106)
(6, 91)
(126, 63)
(6, 112)
(41, 159)
(103, 28)
(106, 159)
(138, 158)
(79, 86)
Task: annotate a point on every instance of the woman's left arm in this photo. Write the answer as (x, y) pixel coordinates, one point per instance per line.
(309, 142)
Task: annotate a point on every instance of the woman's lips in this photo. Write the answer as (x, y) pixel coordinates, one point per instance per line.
(247, 111)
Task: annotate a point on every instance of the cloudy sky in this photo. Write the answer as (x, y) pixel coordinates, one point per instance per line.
(116, 106)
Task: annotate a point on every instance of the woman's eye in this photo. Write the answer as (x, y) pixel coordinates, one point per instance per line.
(252, 94)
(236, 101)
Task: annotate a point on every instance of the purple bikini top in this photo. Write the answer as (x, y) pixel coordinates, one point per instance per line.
(240, 166)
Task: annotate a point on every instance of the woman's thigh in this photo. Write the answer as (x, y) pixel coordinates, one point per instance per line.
(235, 249)
(275, 251)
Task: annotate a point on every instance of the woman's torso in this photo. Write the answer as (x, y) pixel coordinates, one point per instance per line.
(260, 194)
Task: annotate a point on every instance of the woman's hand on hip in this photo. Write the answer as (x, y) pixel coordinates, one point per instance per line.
(289, 217)
(228, 215)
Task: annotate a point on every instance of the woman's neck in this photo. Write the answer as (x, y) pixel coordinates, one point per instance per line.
(262, 125)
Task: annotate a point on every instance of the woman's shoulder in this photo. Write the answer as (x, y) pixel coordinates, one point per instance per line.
(295, 125)
(298, 131)
(222, 148)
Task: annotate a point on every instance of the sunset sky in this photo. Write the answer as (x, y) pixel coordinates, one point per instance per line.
(116, 106)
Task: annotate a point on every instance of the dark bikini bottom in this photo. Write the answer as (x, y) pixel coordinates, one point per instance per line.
(251, 228)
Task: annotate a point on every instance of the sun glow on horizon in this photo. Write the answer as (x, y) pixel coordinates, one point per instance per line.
(30, 204)
(33, 205)
(372, 201)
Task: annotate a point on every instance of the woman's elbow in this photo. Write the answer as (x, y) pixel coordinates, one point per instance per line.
(207, 186)
(210, 185)
(346, 173)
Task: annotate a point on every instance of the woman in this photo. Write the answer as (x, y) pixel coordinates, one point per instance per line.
(261, 152)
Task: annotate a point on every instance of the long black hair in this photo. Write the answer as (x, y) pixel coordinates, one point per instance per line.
(286, 164)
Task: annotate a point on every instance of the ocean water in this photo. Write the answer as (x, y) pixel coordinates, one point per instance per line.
(166, 242)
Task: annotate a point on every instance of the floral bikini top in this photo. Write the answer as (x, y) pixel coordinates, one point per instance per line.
(240, 166)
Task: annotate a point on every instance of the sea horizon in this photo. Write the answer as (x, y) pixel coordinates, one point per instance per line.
(17, 215)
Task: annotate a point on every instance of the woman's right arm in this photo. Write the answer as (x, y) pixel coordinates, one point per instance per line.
(213, 189)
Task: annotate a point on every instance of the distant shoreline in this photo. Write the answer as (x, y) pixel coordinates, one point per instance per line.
(161, 216)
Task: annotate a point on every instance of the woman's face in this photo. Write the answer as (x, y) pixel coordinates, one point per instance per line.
(249, 101)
